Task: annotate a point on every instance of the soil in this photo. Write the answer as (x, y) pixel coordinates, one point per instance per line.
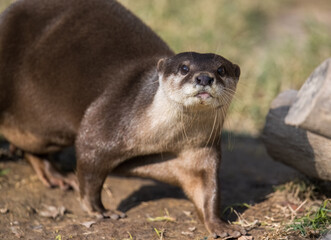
(248, 177)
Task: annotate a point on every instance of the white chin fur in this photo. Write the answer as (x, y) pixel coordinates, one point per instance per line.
(186, 94)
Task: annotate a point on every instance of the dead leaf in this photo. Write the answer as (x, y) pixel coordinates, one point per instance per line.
(4, 210)
(88, 224)
(192, 229)
(161, 219)
(246, 238)
(52, 211)
(187, 234)
(187, 213)
(17, 231)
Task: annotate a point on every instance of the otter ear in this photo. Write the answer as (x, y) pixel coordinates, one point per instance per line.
(236, 70)
(160, 64)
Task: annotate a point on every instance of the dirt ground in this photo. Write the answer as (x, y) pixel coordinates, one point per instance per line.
(29, 210)
(248, 177)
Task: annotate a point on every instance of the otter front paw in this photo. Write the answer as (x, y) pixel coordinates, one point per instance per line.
(115, 215)
(96, 209)
(218, 228)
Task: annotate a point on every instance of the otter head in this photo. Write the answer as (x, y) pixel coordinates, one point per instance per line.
(196, 80)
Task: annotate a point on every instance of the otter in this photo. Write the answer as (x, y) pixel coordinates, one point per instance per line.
(93, 75)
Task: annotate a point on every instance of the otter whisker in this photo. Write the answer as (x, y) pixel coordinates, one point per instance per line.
(230, 97)
(216, 130)
(212, 130)
(153, 82)
(226, 99)
(183, 126)
(221, 123)
(230, 91)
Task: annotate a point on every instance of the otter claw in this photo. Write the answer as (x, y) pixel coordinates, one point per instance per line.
(223, 235)
(113, 215)
(236, 234)
(243, 231)
(223, 231)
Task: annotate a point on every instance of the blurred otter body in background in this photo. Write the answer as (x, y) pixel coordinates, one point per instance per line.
(92, 74)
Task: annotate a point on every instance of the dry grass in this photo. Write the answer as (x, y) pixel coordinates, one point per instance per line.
(4, 4)
(276, 43)
(315, 222)
(296, 208)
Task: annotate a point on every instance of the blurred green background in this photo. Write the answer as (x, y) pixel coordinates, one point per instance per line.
(277, 44)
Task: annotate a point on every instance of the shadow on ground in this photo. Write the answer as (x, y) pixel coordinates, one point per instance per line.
(248, 175)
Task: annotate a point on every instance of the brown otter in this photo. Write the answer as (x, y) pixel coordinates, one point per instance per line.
(92, 74)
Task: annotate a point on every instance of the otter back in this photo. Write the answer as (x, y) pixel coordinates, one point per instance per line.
(91, 73)
(57, 56)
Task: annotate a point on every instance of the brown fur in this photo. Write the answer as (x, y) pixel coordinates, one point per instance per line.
(91, 73)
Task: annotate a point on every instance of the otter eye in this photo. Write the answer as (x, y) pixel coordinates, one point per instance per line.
(221, 71)
(184, 69)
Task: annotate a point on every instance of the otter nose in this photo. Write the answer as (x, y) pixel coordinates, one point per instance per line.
(204, 80)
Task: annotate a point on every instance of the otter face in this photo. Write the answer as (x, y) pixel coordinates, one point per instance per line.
(198, 80)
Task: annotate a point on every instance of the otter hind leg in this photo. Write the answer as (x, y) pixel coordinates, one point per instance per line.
(30, 143)
(49, 175)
